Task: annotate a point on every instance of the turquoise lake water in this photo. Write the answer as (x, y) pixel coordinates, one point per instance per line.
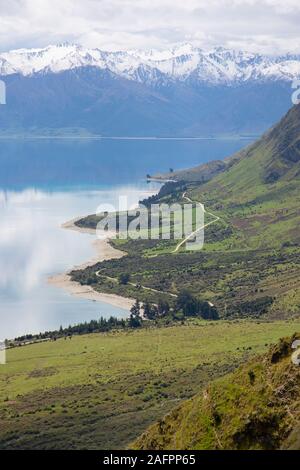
(45, 183)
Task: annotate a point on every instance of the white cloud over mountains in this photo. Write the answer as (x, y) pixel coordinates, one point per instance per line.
(268, 26)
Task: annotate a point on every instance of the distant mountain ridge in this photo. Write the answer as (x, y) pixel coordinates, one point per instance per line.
(183, 62)
(184, 91)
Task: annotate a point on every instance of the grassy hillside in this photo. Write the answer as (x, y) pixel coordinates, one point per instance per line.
(264, 170)
(101, 391)
(256, 407)
(250, 262)
(272, 156)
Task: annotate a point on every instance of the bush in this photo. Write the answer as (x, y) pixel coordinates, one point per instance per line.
(124, 278)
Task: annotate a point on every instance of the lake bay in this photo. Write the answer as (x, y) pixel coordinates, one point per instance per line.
(45, 183)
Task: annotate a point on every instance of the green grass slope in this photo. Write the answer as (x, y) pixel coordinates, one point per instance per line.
(101, 391)
(250, 262)
(256, 407)
(265, 167)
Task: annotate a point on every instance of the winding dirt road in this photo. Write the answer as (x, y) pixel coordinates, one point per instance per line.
(191, 235)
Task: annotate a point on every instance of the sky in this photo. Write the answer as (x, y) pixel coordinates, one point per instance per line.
(266, 26)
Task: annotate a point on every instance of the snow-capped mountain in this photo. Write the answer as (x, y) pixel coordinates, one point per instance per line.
(182, 91)
(181, 63)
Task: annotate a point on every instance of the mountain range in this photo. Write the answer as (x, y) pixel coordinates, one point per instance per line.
(184, 62)
(183, 91)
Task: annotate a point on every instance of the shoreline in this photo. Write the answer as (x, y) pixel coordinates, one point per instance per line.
(104, 251)
(121, 138)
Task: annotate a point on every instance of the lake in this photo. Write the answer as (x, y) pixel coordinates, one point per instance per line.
(44, 183)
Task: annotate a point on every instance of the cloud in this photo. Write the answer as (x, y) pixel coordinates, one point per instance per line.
(262, 25)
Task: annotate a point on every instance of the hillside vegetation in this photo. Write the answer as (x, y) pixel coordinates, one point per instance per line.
(101, 391)
(256, 407)
(250, 262)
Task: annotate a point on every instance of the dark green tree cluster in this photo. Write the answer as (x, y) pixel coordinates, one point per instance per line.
(94, 326)
(153, 312)
(186, 305)
(191, 306)
(124, 278)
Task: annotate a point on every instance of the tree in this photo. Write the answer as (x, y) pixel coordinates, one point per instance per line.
(207, 311)
(135, 319)
(92, 280)
(147, 310)
(124, 278)
(191, 306)
(135, 309)
(163, 307)
(150, 311)
(187, 303)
